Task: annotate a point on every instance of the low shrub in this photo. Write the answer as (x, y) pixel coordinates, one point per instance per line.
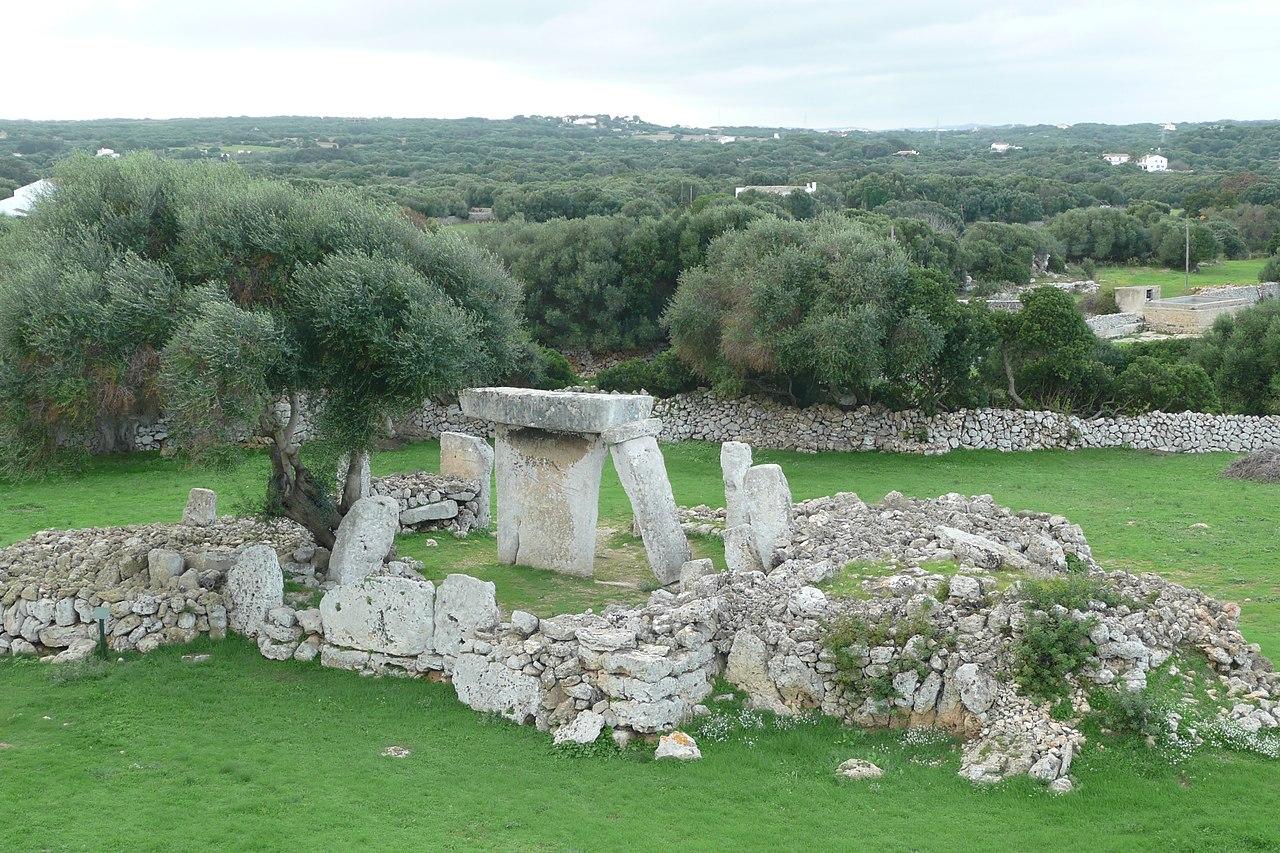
(664, 375)
(1073, 592)
(1128, 712)
(550, 370)
(1051, 647)
(1270, 270)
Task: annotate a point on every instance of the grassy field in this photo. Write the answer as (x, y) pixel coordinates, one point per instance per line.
(1173, 283)
(242, 753)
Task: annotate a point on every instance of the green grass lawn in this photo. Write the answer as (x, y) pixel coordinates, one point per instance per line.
(245, 753)
(1173, 283)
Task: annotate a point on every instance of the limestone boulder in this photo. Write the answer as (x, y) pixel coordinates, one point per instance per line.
(201, 509)
(768, 507)
(748, 669)
(491, 687)
(255, 584)
(584, 728)
(388, 615)
(365, 538)
(735, 460)
(463, 606)
(471, 458)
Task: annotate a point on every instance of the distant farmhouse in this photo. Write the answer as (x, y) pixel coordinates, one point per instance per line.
(907, 152)
(582, 121)
(23, 198)
(811, 187)
(1116, 159)
(1153, 163)
(1002, 147)
(107, 152)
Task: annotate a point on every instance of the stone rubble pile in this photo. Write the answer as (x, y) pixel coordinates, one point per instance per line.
(162, 583)
(432, 501)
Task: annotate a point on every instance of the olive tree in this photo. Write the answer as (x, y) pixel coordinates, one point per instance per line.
(229, 302)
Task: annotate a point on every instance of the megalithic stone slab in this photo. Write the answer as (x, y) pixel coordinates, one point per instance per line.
(548, 498)
(559, 411)
(471, 458)
(201, 509)
(740, 549)
(644, 478)
(365, 537)
(735, 459)
(769, 511)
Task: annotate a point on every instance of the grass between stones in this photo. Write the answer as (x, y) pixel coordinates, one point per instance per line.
(240, 752)
(1175, 283)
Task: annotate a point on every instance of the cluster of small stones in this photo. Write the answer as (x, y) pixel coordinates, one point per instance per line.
(432, 501)
(162, 583)
(702, 416)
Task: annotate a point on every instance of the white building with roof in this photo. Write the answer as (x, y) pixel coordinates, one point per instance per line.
(1116, 158)
(1153, 163)
(777, 189)
(108, 152)
(23, 198)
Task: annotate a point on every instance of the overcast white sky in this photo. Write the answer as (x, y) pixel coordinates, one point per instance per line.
(817, 63)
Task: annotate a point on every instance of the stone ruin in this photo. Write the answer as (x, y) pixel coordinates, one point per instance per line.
(550, 448)
(934, 585)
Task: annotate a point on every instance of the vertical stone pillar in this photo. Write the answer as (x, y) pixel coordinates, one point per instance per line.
(643, 473)
(471, 458)
(548, 498)
(735, 459)
(768, 506)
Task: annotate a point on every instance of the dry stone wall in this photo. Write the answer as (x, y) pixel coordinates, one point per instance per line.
(702, 416)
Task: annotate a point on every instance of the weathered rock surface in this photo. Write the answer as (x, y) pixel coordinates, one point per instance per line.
(201, 509)
(255, 584)
(390, 615)
(365, 538)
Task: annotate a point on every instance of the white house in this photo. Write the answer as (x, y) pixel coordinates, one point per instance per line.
(1001, 147)
(107, 152)
(23, 198)
(777, 189)
(1116, 159)
(1153, 163)
(907, 152)
(1168, 125)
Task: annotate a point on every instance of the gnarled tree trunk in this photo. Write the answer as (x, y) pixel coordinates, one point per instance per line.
(292, 489)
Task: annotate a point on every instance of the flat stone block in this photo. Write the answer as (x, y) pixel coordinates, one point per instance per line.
(548, 498)
(635, 429)
(438, 511)
(559, 411)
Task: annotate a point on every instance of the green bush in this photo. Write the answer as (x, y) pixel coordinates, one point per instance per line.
(1073, 592)
(1242, 354)
(663, 375)
(1051, 647)
(551, 371)
(1151, 385)
(1127, 712)
(1270, 270)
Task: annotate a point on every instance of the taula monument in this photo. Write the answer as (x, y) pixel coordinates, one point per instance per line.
(550, 448)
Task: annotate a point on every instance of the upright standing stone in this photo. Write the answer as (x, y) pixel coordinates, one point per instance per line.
(364, 539)
(768, 505)
(201, 509)
(640, 467)
(548, 498)
(740, 549)
(735, 459)
(471, 458)
(255, 584)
